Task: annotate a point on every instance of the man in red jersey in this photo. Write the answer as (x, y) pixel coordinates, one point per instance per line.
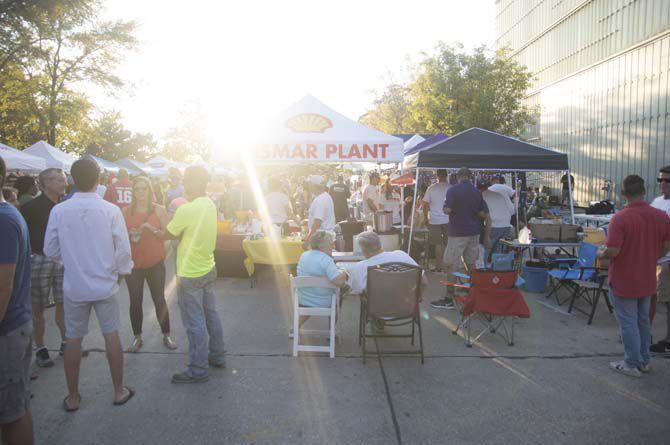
(121, 192)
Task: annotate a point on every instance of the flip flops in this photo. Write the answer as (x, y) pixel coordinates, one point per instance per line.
(67, 408)
(131, 393)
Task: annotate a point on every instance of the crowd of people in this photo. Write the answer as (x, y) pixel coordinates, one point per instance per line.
(77, 249)
(71, 241)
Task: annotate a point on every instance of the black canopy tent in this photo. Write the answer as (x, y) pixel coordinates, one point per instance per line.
(481, 149)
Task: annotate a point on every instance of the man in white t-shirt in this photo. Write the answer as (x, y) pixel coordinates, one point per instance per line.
(501, 210)
(371, 197)
(278, 204)
(433, 213)
(321, 214)
(500, 187)
(663, 270)
(371, 248)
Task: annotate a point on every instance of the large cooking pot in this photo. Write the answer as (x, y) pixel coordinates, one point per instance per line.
(383, 221)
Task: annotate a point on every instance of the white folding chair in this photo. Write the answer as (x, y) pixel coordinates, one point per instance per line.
(330, 312)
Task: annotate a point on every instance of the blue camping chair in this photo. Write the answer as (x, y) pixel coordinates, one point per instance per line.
(582, 269)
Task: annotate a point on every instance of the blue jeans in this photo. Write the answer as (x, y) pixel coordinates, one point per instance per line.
(634, 327)
(197, 302)
(497, 233)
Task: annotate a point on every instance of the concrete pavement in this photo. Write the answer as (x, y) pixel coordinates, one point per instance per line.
(553, 386)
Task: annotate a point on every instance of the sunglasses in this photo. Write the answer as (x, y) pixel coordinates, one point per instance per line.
(661, 180)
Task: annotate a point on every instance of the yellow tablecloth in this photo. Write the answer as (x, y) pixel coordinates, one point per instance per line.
(270, 251)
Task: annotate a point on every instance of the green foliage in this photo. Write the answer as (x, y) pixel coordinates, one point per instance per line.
(189, 139)
(451, 91)
(48, 48)
(106, 137)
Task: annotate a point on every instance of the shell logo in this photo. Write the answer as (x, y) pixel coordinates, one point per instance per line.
(309, 123)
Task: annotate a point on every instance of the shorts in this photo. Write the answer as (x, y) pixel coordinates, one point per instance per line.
(15, 357)
(663, 283)
(77, 314)
(437, 233)
(462, 249)
(45, 275)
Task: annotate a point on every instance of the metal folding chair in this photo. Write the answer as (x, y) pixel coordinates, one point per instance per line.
(582, 268)
(392, 298)
(590, 291)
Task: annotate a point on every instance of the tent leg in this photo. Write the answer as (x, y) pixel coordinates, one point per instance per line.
(402, 205)
(517, 198)
(572, 204)
(411, 223)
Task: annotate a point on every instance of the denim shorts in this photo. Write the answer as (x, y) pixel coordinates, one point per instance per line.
(15, 356)
(77, 314)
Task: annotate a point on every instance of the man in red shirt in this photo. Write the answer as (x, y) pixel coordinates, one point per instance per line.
(121, 192)
(637, 237)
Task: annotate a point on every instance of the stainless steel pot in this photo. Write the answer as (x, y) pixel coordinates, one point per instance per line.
(383, 222)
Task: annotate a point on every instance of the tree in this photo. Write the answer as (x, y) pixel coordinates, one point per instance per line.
(107, 138)
(73, 46)
(189, 139)
(391, 112)
(451, 91)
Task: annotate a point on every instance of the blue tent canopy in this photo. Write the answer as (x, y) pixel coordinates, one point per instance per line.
(134, 167)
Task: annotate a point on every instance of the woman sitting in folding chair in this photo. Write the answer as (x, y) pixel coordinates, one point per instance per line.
(318, 262)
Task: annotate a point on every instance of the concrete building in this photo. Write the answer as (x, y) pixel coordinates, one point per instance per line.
(601, 84)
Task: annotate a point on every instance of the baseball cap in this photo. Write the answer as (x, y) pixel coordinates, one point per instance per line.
(464, 172)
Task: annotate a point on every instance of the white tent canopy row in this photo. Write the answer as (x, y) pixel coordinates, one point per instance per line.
(20, 161)
(309, 132)
(53, 157)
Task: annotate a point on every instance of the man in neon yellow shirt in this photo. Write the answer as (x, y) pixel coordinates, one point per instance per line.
(194, 225)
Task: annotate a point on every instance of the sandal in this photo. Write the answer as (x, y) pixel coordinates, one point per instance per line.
(136, 346)
(122, 401)
(67, 408)
(169, 342)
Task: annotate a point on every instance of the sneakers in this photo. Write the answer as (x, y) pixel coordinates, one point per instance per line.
(622, 368)
(218, 364)
(662, 347)
(442, 304)
(182, 377)
(42, 358)
(644, 368)
(61, 351)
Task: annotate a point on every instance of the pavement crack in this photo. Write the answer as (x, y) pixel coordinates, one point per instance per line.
(389, 399)
(409, 356)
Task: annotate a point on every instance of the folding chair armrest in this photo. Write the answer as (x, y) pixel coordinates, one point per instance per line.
(449, 283)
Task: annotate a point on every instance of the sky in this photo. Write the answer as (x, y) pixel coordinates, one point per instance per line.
(241, 62)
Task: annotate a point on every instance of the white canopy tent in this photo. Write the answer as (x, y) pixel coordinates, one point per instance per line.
(18, 160)
(53, 157)
(311, 132)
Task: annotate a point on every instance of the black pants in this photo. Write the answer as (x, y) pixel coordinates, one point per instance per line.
(155, 278)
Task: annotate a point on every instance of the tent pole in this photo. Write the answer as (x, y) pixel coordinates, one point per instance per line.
(402, 205)
(517, 198)
(411, 223)
(572, 204)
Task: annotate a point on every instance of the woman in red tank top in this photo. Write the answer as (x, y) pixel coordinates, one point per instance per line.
(148, 254)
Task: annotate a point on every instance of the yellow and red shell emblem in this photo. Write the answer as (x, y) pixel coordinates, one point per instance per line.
(309, 123)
